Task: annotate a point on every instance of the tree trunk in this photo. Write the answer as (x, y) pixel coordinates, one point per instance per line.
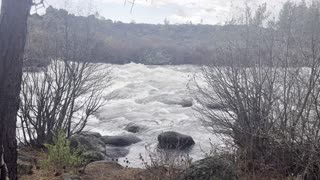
(13, 30)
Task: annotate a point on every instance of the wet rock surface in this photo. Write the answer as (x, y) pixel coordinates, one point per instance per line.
(116, 152)
(88, 142)
(120, 140)
(174, 140)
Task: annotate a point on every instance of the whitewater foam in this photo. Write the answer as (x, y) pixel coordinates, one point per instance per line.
(152, 96)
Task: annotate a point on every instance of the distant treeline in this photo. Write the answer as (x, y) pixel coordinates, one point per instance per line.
(120, 43)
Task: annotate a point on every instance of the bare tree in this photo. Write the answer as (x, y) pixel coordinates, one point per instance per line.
(62, 98)
(13, 30)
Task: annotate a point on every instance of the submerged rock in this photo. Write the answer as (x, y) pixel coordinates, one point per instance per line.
(120, 140)
(210, 168)
(174, 140)
(134, 128)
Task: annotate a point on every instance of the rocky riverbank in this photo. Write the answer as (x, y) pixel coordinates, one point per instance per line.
(206, 169)
(103, 153)
(111, 148)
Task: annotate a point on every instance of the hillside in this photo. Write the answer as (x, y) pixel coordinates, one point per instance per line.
(120, 43)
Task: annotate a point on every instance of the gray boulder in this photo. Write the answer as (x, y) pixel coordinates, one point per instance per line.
(121, 140)
(116, 152)
(88, 142)
(210, 168)
(174, 140)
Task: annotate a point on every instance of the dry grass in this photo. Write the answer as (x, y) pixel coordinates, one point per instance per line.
(110, 171)
(94, 171)
(38, 174)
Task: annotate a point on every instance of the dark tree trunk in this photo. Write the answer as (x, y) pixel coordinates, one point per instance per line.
(13, 30)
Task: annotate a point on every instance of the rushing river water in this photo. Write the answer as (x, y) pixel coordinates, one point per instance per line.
(151, 96)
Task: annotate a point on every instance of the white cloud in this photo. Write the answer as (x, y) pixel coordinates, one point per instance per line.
(209, 11)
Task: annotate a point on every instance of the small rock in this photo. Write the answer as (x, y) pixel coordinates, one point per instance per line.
(121, 140)
(174, 140)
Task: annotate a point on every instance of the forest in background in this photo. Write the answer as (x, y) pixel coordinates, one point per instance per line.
(120, 43)
(162, 44)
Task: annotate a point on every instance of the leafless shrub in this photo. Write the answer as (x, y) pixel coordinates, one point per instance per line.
(165, 164)
(70, 89)
(268, 97)
(63, 98)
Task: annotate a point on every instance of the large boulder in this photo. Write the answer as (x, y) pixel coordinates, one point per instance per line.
(88, 142)
(210, 168)
(92, 156)
(174, 140)
(116, 152)
(120, 140)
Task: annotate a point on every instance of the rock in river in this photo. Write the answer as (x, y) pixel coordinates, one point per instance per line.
(120, 140)
(174, 140)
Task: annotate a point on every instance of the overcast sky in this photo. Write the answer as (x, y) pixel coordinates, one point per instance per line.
(176, 11)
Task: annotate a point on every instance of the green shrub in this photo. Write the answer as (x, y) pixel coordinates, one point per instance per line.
(60, 155)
